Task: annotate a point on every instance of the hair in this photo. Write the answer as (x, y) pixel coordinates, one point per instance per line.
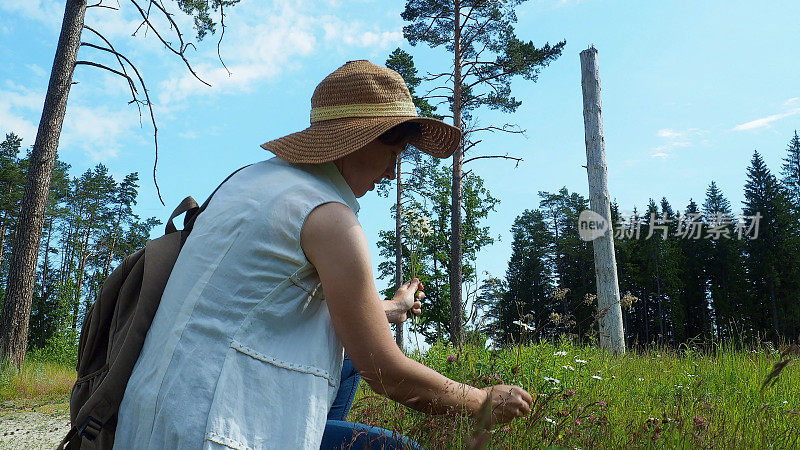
(404, 132)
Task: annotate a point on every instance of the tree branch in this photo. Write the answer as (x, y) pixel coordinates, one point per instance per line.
(183, 45)
(101, 66)
(505, 128)
(518, 160)
(101, 5)
(221, 34)
(144, 88)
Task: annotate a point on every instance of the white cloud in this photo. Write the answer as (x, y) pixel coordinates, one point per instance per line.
(765, 121)
(674, 139)
(17, 107)
(97, 131)
(266, 41)
(48, 12)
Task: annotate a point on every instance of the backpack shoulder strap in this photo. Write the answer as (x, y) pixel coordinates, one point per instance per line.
(191, 215)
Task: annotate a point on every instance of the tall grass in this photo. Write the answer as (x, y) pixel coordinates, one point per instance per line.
(36, 383)
(587, 398)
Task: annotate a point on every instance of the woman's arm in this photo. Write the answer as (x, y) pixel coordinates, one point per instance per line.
(334, 242)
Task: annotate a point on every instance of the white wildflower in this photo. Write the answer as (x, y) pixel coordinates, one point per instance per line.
(568, 367)
(560, 353)
(552, 380)
(641, 379)
(549, 420)
(597, 377)
(523, 325)
(580, 361)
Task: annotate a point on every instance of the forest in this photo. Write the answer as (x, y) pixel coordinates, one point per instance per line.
(90, 227)
(704, 272)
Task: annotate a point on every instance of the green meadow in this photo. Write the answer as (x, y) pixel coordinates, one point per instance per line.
(584, 397)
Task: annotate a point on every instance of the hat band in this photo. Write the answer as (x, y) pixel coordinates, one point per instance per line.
(399, 108)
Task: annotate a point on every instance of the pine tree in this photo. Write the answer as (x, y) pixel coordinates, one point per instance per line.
(486, 55)
(791, 171)
(694, 294)
(724, 264)
(529, 279)
(772, 257)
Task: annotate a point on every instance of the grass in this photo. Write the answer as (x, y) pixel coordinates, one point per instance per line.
(37, 383)
(587, 398)
(584, 397)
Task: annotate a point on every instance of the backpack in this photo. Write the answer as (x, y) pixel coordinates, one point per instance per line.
(114, 330)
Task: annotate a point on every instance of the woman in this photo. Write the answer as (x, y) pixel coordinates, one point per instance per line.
(246, 349)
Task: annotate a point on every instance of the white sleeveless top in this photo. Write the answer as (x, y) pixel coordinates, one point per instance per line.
(241, 353)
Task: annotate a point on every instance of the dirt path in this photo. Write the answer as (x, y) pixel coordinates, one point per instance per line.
(37, 428)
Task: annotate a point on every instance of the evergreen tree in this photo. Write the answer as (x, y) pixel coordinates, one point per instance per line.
(529, 279)
(486, 55)
(724, 264)
(791, 171)
(772, 256)
(694, 293)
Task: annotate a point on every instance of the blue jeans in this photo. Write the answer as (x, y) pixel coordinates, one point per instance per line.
(349, 435)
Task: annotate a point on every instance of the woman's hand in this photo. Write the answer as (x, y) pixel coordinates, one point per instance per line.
(407, 298)
(507, 402)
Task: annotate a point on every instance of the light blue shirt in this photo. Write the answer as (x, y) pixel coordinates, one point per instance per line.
(241, 353)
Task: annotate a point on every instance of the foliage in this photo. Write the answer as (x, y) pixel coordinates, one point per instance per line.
(89, 227)
(428, 194)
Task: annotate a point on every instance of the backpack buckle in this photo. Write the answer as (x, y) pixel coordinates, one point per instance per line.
(90, 428)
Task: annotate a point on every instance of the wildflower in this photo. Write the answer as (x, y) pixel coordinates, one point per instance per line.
(568, 367)
(601, 403)
(588, 299)
(506, 428)
(628, 300)
(552, 380)
(523, 325)
(613, 377)
(580, 408)
(577, 421)
(549, 420)
(597, 377)
(580, 361)
(451, 358)
(560, 353)
(560, 294)
(555, 318)
(640, 379)
(563, 413)
(569, 393)
(700, 422)
(785, 402)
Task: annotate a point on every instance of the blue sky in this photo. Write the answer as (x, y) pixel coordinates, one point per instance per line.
(689, 90)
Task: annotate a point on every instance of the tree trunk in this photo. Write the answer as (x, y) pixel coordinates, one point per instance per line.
(774, 308)
(456, 248)
(22, 271)
(46, 255)
(605, 264)
(398, 252)
(84, 255)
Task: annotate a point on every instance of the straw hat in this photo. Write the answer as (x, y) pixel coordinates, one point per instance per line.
(354, 105)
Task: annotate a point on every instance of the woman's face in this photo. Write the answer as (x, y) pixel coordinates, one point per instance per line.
(367, 166)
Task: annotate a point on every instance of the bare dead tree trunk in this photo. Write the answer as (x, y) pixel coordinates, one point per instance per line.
(22, 271)
(605, 264)
(456, 248)
(398, 252)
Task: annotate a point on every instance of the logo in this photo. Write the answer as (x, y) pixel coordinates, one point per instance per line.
(591, 225)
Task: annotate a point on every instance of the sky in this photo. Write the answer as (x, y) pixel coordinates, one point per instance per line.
(689, 90)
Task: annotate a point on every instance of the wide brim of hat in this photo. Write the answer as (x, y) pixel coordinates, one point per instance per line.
(332, 139)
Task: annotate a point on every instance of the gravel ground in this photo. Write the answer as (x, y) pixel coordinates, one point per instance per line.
(42, 428)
